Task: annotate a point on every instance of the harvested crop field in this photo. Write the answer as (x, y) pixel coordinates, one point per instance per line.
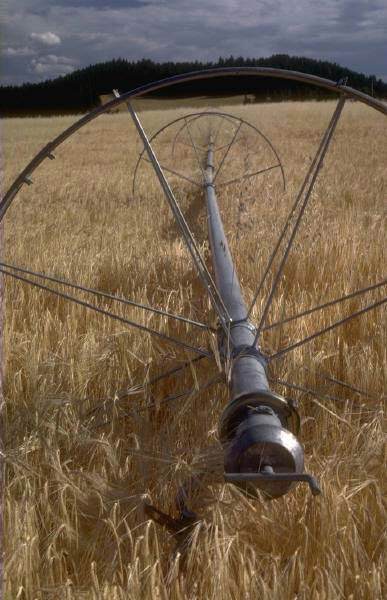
(85, 442)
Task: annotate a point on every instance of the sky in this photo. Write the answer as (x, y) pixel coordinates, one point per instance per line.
(43, 39)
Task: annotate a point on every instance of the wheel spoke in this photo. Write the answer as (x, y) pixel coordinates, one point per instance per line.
(139, 389)
(344, 384)
(312, 392)
(218, 130)
(193, 391)
(196, 151)
(106, 295)
(106, 313)
(248, 175)
(198, 123)
(326, 377)
(290, 217)
(312, 175)
(309, 311)
(153, 137)
(219, 148)
(227, 151)
(189, 240)
(329, 328)
(178, 133)
(192, 118)
(168, 170)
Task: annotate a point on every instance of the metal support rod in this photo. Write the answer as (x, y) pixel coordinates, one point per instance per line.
(228, 150)
(169, 170)
(249, 175)
(122, 300)
(294, 208)
(307, 185)
(198, 261)
(309, 311)
(106, 313)
(317, 334)
(195, 148)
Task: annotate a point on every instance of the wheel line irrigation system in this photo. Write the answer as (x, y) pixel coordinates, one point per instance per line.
(258, 427)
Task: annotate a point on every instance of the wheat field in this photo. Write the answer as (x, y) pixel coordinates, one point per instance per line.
(86, 441)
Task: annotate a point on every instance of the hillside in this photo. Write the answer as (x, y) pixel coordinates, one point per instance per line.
(80, 91)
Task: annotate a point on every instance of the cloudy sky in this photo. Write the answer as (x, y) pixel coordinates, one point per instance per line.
(45, 38)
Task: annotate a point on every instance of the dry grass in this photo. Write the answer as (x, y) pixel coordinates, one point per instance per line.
(73, 486)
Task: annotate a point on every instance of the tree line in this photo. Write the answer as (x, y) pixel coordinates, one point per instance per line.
(80, 91)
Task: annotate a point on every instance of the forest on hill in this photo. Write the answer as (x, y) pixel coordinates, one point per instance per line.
(80, 91)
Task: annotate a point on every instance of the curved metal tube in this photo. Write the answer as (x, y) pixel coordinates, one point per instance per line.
(191, 121)
(191, 116)
(155, 136)
(170, 81)
(194, 117)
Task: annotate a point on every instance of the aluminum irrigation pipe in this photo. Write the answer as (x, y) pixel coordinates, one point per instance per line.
(255, 424)
(48, 149)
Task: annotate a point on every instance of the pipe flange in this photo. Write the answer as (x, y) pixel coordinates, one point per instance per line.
(236, 411)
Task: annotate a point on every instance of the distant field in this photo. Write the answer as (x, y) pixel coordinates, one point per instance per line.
(79, 459)
(201, 102)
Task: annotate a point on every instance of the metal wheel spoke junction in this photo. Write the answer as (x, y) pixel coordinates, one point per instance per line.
(258, 427)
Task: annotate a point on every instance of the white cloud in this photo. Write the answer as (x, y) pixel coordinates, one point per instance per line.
(52, 65)
(53, 59)
(20, 51)
(47, 38)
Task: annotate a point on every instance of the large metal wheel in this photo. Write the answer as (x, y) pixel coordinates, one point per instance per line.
(179, 168)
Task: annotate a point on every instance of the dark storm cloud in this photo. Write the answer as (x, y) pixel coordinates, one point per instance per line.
(46, 38)
(109, 4)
